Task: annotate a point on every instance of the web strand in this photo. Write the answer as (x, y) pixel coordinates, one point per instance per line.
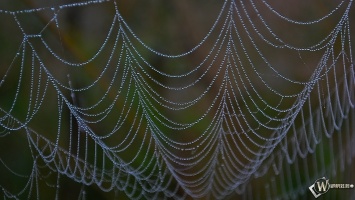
(130, 119)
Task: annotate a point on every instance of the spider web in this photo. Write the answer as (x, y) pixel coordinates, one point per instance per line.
(260, 107)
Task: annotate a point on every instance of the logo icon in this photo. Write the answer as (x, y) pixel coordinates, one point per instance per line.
(320, 187)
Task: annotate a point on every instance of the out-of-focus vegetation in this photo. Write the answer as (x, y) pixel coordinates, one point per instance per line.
(171, 27)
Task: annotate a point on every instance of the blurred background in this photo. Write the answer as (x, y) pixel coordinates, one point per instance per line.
(173, 28)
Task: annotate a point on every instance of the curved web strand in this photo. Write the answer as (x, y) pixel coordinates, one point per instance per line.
(247, 112)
